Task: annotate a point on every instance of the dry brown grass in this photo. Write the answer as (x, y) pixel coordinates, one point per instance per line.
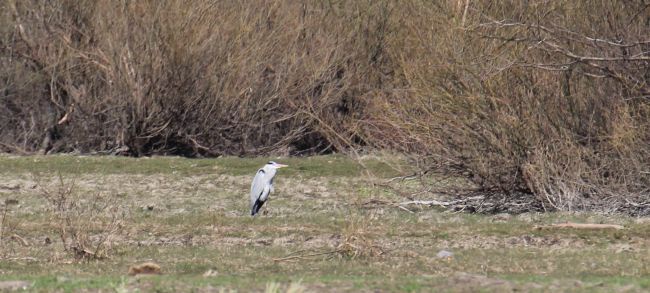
(356, 241)
(147, 268)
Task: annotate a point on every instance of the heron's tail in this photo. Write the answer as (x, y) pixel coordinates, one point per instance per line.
(256, 207)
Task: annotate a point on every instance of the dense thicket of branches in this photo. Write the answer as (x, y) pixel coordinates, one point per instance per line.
(550, 98)
(184, 77)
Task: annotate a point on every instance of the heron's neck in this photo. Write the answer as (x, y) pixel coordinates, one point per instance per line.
(270, 171)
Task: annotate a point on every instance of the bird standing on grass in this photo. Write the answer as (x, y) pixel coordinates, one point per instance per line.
(262, 185)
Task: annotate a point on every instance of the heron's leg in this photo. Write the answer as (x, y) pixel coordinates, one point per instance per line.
(256, 207)
(265, 212)
(253, 209)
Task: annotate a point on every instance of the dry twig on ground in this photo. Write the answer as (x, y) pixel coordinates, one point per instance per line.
(580, 226)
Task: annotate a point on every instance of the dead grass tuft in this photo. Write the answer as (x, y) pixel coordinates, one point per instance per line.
(147, 268)
(356, 241)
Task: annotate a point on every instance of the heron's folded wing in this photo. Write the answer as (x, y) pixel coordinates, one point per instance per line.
(257, 186)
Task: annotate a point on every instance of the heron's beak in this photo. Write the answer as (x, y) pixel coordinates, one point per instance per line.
(281, 166)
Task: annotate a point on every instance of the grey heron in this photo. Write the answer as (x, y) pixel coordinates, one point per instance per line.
(262, 185)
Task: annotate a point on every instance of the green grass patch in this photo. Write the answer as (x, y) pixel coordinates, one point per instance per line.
(309, 167)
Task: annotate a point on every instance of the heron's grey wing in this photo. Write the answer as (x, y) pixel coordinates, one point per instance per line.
(257, 187)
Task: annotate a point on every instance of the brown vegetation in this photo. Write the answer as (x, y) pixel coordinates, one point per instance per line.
(544, 98)
(85, 224)
(147, 268)
(170, 78)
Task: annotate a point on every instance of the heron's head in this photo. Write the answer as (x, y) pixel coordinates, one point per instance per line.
(276, 165)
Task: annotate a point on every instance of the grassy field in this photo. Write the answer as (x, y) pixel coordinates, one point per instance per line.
(190, 216)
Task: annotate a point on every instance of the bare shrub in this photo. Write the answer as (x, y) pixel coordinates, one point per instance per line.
(206, 79)
(84, 223)
(545, 98)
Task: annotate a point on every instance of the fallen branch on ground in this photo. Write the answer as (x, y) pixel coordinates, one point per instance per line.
(21, 240)
(580, 226)
(439, 203)
(456, 204)
(403, 178)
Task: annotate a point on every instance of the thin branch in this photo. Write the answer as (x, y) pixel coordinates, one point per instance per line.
(580, 226)
(440, 203)
(568, 53)
(617, 43)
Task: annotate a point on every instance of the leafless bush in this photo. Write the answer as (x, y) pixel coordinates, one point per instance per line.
(85, 224)
(547, 98)
(204, 79)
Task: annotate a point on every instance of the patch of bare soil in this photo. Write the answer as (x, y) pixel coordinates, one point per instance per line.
(6, 286)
